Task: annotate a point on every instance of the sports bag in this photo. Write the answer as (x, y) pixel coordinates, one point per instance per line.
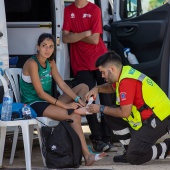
(61, 146)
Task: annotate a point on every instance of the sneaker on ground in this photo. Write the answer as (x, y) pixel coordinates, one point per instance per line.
(91, 150)
(112, 148)
(167, 142)
(100, 146)
(120, 158)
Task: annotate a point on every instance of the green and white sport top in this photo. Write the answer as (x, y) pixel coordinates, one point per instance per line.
(28, 93)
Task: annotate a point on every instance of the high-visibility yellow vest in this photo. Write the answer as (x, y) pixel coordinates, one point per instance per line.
(153, 96)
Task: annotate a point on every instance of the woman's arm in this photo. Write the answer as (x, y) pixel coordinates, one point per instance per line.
(60, 82)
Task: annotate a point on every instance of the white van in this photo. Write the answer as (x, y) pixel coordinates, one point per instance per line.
(141, 25)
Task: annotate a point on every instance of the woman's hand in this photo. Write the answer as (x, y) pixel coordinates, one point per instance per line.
(72, 105)
(82, 103)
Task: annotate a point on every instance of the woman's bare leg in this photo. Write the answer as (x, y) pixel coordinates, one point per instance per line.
(59, 113)
(81, 90)
(76, 125)
(83, 111)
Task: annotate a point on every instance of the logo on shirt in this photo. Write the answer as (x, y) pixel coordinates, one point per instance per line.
(149, 81)
(53, 147)
(72, 15)
(123, 95)
(131, 71)
(86, 16)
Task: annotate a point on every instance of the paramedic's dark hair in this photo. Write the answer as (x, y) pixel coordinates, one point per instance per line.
(42, 37)
(109, 58)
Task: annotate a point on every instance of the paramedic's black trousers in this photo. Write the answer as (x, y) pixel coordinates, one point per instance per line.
(140, 144)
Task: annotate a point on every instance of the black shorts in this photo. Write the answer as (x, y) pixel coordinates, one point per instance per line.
(39, 108)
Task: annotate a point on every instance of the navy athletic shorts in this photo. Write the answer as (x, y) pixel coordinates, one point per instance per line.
(39, 108)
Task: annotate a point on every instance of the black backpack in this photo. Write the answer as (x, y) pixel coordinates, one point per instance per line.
(61, 146)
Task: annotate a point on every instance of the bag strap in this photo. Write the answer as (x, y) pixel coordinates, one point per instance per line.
(72, 135)
(41, 122)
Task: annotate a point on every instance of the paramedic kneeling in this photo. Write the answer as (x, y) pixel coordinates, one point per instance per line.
(141, 116)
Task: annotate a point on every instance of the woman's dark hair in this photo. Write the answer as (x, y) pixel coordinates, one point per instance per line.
(44, 36)
(109, 58)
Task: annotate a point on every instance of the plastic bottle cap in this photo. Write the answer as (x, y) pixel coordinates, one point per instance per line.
(126, 49)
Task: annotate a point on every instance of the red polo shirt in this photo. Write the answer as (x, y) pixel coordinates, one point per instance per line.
(83, 55)
(131, 93)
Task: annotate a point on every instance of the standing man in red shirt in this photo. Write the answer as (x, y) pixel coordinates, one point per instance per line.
(82, 29)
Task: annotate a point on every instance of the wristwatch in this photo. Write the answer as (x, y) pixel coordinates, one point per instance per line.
(102, 108)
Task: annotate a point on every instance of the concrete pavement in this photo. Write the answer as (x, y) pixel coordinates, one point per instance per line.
(106, 163)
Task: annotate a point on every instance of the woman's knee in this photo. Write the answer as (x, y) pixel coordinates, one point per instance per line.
(84, 87)
(76, 117)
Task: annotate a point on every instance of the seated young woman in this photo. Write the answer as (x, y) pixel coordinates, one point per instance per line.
(36, 90)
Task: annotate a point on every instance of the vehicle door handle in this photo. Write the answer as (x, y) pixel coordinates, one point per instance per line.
(123, 30)
(129, 29)
(1, 34)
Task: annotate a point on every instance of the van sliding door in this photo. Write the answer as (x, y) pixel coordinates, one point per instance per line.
(148, 37)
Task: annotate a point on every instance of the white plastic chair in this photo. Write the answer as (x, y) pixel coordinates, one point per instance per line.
(27, 127)
(4, 83)
(13, 75)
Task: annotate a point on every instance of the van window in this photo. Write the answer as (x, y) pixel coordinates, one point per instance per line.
(133, 8)
(148, 5)
(17, 5)
(28, 10)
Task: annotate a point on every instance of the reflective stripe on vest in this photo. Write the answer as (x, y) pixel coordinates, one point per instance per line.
(153, 96)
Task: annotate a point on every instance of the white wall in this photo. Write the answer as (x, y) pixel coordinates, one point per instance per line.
(4, 58)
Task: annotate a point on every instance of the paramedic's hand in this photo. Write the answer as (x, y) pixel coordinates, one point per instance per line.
(93, 92)
(93, 108)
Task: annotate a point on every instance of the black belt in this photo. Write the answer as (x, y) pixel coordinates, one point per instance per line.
(144, 107)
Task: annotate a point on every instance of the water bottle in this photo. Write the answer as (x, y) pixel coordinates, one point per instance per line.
(131, 57)
(26, 112)
(1, 68)
(6, 111)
